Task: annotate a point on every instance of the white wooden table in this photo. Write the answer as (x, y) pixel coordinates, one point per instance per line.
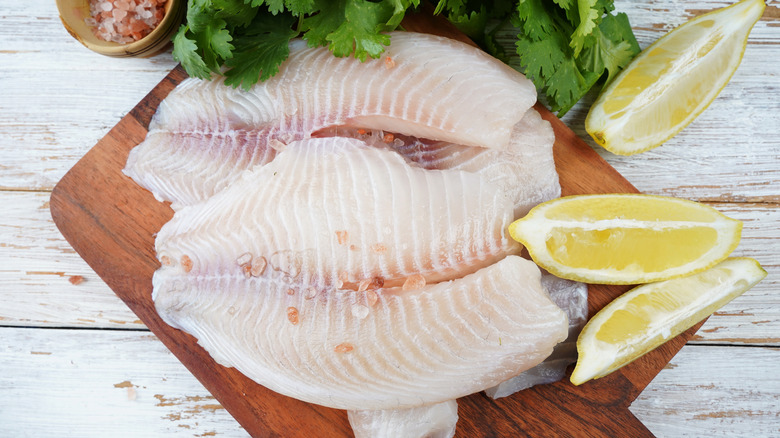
(74, 361)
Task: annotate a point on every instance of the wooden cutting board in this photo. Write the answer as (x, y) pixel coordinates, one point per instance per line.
(111, 222)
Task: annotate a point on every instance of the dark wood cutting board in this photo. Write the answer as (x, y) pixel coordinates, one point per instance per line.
(111, 222)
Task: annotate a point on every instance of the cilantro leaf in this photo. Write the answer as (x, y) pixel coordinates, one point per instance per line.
(453, 7)
(234, 12)
(399, 11)
(588, 15)
(300, 7)
(273, 6)
(350, 27)
(615, 46)
(566, 46)
(214, 41)
(472, 24)
(199, 14)
(534, 19)
(360, 31)
(185, 51)
(260, 49)
(550, 64)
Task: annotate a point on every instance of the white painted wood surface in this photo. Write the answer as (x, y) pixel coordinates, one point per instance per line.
(74, 361)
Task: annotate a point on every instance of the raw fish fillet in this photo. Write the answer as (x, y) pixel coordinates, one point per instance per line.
(430, 421)
(425, 86)
(333, 212)
(344, 350)
(525, 170)
(572, 297)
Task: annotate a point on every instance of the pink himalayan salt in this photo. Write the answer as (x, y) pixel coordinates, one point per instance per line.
(124, 21)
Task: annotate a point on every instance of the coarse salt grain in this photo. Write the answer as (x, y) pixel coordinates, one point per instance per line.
(310, 293)
(186, 263)
(344, 348)
(359, 311)
(258, 266)
(244, 259)
(124, 21)
(414, 282)
(371, 297)
(292, 315)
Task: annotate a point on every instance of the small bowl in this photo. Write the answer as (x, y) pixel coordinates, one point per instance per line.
(73, 13)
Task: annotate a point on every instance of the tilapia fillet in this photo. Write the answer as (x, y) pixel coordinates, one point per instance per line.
(372, 276)
(334, 212)
(524, 170)
(344, 350)
(572, 298)
(424, 86)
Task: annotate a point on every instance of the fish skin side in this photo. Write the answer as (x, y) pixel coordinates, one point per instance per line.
(204, 133)
(405, 351)
(334, 212)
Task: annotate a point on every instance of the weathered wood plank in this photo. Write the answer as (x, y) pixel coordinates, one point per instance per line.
(714, 392)
(38, 269)
(124, 384)
(754, 317)
(59, 98)
(129, 384)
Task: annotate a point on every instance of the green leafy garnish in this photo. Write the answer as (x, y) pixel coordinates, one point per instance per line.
(564, 46)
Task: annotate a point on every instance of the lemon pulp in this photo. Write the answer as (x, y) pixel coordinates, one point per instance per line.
(625, 238)
(647, 316)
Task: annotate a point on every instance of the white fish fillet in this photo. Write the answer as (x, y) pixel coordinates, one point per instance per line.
(425, 86)
(430, 421)
(407, 349)
(333, 212)
(525, 170)
(572, 298)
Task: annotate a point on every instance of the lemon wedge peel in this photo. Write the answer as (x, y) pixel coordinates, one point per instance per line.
(625, 238)
(673, 81)
(613, 338)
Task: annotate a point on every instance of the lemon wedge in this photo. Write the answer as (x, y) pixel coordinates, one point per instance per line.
(647, 316)
(625, 238)
(671, 82)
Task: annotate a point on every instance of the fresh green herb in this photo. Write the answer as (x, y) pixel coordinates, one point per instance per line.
(564, 46)
(247, 40)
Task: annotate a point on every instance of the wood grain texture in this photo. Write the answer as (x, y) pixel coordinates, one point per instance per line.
(696, 373)
(43, 281)
(54, 387)
(127, 384)
(43, 77)
(754, 317)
